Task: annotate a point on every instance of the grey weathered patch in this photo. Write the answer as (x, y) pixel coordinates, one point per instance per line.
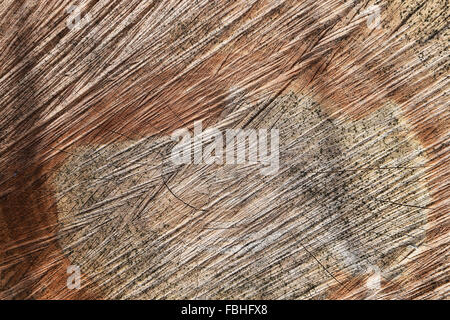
(349, 199)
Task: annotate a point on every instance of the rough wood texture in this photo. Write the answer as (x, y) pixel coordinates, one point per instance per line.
(358, 208)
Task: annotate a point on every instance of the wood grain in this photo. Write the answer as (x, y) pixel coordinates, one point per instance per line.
(358, 208)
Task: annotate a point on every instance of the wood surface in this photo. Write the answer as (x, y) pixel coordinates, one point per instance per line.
(359, 208)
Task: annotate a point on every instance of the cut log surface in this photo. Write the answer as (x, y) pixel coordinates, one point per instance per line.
(355, 204)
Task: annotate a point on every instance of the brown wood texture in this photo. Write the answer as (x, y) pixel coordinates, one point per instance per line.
(359, 208)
